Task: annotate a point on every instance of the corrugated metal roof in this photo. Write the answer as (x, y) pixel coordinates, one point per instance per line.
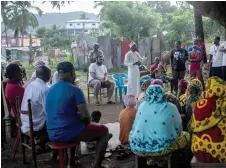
(82, 21)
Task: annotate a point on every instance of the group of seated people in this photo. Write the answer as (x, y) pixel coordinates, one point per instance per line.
(161, 123)
(156, 124)
(59, 110)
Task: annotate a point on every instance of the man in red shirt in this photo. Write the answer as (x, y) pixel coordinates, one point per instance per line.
(154, 67)
(13, 86)
(195, 67)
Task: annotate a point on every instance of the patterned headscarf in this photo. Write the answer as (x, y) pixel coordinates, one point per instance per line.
(157, 82)
(193, 94)
(174, 100)
(212, 107)
(183, 84)
(155, 94)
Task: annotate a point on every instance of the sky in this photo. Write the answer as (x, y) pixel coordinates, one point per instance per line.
(86, 6)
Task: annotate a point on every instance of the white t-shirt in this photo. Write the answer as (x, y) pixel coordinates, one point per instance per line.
(224, 54)
(55, 78)
(217, 56)
(35, 91)
(98, 70)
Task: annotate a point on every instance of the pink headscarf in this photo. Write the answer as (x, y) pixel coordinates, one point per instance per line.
(157, 82)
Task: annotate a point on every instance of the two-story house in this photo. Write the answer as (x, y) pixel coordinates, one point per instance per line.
(74, 27)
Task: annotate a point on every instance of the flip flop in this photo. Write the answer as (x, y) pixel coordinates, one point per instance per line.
(111, 102)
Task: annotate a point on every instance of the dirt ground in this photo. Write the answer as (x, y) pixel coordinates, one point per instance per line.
(109, 114)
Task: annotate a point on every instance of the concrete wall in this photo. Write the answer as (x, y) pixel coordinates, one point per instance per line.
(155, 49)
(106, 47)
(144, 47)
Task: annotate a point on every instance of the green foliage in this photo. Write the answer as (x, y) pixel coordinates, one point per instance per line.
(17, 16)
(54, 37)
(128, 19)
(70, 59)
(180, 26)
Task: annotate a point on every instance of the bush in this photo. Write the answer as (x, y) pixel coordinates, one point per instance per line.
(70, 59)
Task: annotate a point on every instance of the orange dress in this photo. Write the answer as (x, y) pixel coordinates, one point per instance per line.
(126, 118)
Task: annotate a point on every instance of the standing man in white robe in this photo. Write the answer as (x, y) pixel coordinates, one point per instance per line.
(133, 60)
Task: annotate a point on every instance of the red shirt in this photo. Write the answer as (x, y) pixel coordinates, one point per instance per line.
(153, 68)
(12, 90)
(195, 66)
(203, 47)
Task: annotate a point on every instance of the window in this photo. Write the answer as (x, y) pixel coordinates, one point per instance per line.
(13, 41)
(85, 30)
(78, 24)
(70, 31)
(71, 24)
(94, 24)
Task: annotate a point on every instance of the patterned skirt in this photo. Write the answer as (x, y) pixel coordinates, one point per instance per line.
(180, 143)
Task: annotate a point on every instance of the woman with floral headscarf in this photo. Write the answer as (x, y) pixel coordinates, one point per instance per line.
(143, 94)
(157, 129)
(209, 123)
(193, 94)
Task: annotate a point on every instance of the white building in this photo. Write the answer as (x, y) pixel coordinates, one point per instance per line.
(74, 27)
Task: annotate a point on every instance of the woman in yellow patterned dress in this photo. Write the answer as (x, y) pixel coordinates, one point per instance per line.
(209, 123)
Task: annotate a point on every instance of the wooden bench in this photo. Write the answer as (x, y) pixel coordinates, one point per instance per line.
(197, 164)
(166, 158)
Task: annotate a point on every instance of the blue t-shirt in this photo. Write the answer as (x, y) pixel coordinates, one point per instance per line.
(190, 49)
(63, 122)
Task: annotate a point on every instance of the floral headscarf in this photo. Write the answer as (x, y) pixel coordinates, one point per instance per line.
(155, 94)
(183, 84)
(212, 108)
(157, 82)
(174, 100)
(157, 123)
(193, 94)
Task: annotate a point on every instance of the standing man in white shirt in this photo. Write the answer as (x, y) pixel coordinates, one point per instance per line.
(216, 58)
(133, 60)
(35, 91)
(98, 79)
(223, 49)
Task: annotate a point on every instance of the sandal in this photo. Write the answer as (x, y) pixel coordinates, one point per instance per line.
(111, 102)
(97, 103)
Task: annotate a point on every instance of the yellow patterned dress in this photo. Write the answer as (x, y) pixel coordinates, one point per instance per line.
(209, 123)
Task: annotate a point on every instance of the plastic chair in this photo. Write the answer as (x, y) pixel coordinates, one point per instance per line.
(120, 85)
(63, 146)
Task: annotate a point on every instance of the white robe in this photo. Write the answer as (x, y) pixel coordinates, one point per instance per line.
(133, 72)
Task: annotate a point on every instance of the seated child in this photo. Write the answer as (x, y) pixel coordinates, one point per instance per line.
(95, 118)
(126, 118)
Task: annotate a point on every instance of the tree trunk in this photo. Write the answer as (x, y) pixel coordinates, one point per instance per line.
(17, 41)
(22, 40)
(225, 34)
(6, 36)
(199, 32)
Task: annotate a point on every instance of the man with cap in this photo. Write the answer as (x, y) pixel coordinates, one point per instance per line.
(133, 61)
(68, 118)
(93, 54)
(35, 91)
